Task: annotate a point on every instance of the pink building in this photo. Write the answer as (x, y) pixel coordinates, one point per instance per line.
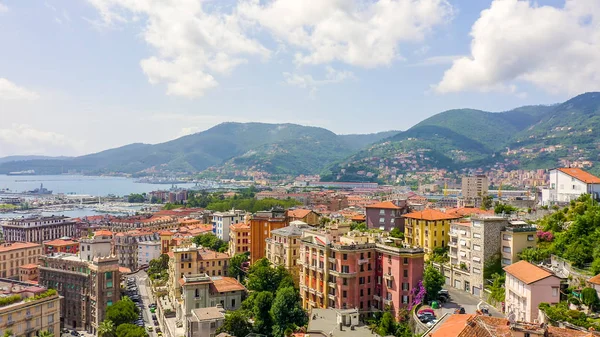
(527, 286)
(356, 270)
(386, 215)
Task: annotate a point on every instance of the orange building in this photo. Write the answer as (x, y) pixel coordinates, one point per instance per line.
(261, 225)
(61, 246)
(239, 238)
(304, 215)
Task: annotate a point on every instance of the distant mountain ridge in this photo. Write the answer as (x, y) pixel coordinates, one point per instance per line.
(528, 137)
(276, 148)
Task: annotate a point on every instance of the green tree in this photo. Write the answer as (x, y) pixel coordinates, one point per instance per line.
(387, 324)
(263, 321)
(8, 333)
(211, 241)
(286, 311)
(135, 197)
(433, 281)
(235, 267)
(263, 277)
(121, 312)
(492, 266)
(497, 288)
(159, 268)
(397, 233)
(45, 333)
(504, 208)
(130, 330)
(236, 324)
(359, 226)
(589, 297)
(106, 329)
(487, 202)
(534, 255)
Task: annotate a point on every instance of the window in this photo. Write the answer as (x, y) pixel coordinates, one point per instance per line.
(109, 284)
(506, 249)
(476, 271)
(50, 305)
(361, 280)
(381, 220)
(345, 256)
(506, 237)
(369, 291)
(405, 260)
(404, 299)
(405, 273)
(197, 293)
(381, 212)
(530, 237)
(506, 261)
(345, 269)
(344, 294)
(50, 318)
(233, 302)
(345, 281)
(477, 247)
(362, 293)
(554, 292)
(405, 286)
(389, 284)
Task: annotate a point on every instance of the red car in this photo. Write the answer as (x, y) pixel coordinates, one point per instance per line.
(426, 311)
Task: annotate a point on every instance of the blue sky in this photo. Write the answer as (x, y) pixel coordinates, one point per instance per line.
(82, 76)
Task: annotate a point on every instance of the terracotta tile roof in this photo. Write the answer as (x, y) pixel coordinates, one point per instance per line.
(103, 232)
(18, 245)
(581, 175)
(29, 266)
(124, 270)
(207, 254)
(595, 279)
(239, 226)
(430, 214)
(527, 272)
(465, 211)
(384, 205)
(171, 255)
(226, 284)
(298, 213)
(358, 218)
(451, 326)
(165, 232)
(59, 242)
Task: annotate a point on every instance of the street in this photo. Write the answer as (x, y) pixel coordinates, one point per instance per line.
(147, 299)
(462, 299)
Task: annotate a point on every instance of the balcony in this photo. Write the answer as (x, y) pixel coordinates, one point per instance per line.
(300, 262)
(10, 322)
(453, 233)
(452, 244)
(331, 297)
(377, 298)
(331, 259)
(332, 284)
(303, 287)
(312, 303)
(28, 317)
(319, 269)
(363, 261)
(388, 302)
(388, 276)
(312, 291)
(319, 294)
(29, 329)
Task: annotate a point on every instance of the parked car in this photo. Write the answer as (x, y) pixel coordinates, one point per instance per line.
(64, 330)
(152, 310)
(155, 322)
(74, 333)
(150, 328)
(158, 329)
(423, 311)
(426, 318)
(154, 317)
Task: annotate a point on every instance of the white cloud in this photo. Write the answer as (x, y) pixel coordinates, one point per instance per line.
(556, 49)
(355, 32)
(438, 60)
(11, 91)
(192, 43)
(3, 8)
(307, 81)
(24, 139)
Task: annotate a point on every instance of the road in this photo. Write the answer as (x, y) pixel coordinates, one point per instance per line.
(465, 300)
(147, 298)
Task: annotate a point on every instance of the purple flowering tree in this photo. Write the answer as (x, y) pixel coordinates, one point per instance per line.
(545, 236)
(418, 295)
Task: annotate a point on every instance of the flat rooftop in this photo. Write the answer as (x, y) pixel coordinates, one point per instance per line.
(325, 324)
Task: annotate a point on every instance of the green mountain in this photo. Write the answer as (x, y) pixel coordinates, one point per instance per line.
(528, 137)
(276, 148)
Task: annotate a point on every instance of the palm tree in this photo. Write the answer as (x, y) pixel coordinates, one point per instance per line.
(45, 333)
(106, 329)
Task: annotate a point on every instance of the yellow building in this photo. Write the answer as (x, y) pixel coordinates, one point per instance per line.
(428, 229)
(17, 254)
(283, 247)
(239, 239)
(516, 237)
(192, 260)
(304, 215)
(26, 316)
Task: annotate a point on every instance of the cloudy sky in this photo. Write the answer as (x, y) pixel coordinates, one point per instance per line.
(82, 76)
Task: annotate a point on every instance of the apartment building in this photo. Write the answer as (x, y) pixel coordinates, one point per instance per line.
(38, 229)
(474, 188)
(100, 244)
(87, 287)
(143, 222)
(193, 260)
(15, 255)
(283, 247)
(527, 286)
(428, 228)
(473, 242)
(31, 309)
(239, 239)
(147, 251)
(358, 270)
(223, 220)
(205, 322)
(203, 291)
(126, 246)
(61, 246)
(516, 237)
(261, 225)
(386, 215)
(568, 184)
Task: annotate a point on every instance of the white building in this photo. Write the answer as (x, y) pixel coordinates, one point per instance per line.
(148, 250)
(204, 322)
(99, 245)
(222, 221)
(567, 184)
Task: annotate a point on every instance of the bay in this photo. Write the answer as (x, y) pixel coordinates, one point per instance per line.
(79, 184)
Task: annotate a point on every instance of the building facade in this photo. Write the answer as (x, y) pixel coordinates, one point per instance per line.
(516, 237)
(205, 322)
(126, 246)
(261, 225)
(428, 229)
(38, 230)
(223, 220)
(386, 215)
(474, 188)
(15, 255)
(305, 215)
(98, 245)
(357, 270)
(61, 246)
(568, 184)
(527, 286)
(283, 247)
(28, 316)
(239, 239)
(87, 288)
(147, 251)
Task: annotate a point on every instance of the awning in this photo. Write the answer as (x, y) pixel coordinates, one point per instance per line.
(463, 254)
(463, 242)
(477, 259)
